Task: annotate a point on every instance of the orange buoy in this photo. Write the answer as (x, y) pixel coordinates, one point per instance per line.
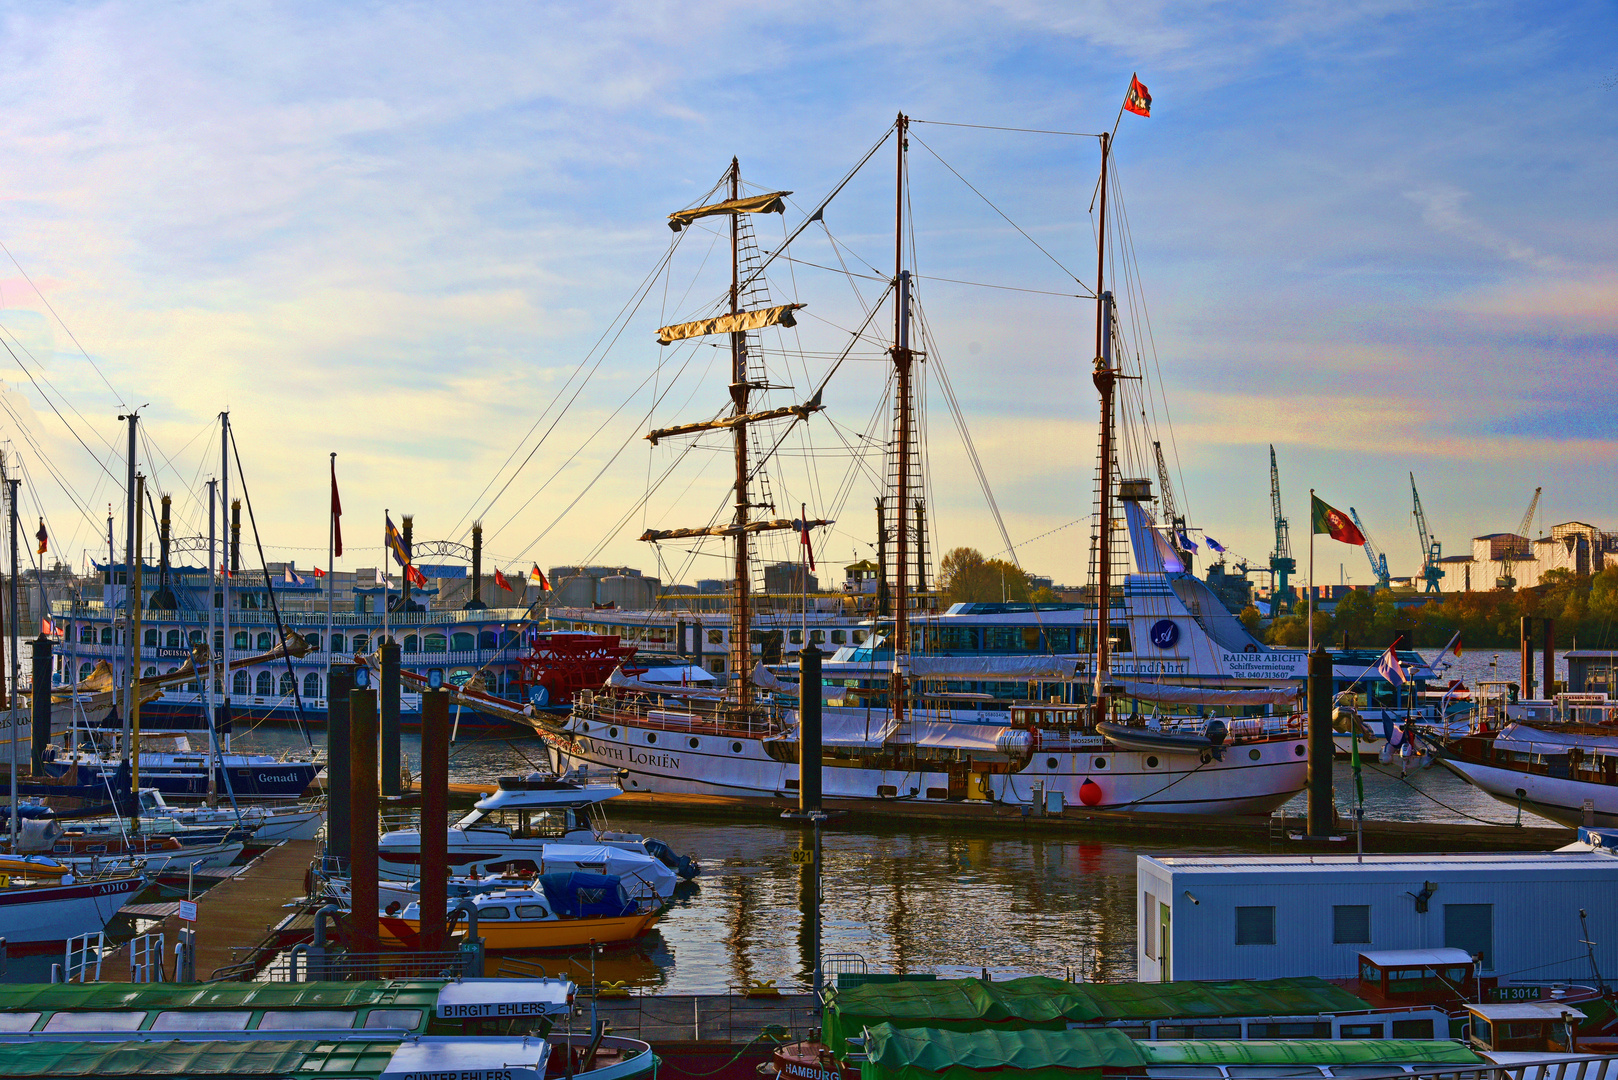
(1090, 792)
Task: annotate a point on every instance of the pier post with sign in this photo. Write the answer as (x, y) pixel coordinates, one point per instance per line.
(390, 714)
(339, 682)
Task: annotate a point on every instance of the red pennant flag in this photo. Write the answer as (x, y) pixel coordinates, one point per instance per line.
(1138, 101)
(502, 581)
(336, 511)
(415, 577)
(319, 572)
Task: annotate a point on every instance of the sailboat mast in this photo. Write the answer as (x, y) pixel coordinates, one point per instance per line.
(902, 363)
(741, 639)
(1105, 379)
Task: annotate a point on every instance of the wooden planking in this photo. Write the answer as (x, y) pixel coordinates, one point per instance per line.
(237, 913)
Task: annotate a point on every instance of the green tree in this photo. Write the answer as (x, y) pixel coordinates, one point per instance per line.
(1353, 615)
(968, 578)
(1251, 618)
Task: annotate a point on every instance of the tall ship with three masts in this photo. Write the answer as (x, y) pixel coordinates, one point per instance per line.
(1090, 732)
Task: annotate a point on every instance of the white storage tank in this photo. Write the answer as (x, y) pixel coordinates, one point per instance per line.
(628, 593)
(576, 591)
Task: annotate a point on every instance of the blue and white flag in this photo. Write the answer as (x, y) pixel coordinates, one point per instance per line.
(1213, 544)
(291, 578)
(1390, 668)
(1186, 543)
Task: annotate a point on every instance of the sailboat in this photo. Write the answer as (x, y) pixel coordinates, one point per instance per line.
(741, 742)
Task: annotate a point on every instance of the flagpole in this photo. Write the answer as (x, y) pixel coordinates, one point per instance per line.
(331, 559)
(384, 575)
(1309, 608)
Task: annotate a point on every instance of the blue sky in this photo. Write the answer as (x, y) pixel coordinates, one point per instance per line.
(1380, 236)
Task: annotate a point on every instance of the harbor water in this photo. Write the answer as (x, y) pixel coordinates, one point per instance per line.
(911, 896)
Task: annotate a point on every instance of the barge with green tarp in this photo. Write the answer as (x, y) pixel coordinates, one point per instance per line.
(1273, 1008)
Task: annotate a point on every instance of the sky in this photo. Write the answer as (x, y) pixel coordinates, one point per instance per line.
(1379, 236)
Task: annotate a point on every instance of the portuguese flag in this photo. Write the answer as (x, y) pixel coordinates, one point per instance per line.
(1333, 522)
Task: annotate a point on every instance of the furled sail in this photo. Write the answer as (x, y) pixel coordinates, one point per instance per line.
(780, 315)
(730, 530)
(754, 204)
(800, 411)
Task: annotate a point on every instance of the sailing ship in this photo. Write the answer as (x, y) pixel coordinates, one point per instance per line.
(899, 743)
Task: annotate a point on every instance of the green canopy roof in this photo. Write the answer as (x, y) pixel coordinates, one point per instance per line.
(256, 1057)
(45, 997)
(1052, 1004)
(932, 1054)
(1307, 1052)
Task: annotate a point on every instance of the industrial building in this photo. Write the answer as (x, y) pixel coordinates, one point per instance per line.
(1270, 917)
(1511, 560)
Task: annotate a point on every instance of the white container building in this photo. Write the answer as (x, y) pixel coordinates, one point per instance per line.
(1269, 917)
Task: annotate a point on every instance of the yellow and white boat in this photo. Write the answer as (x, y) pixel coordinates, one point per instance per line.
(558, 911)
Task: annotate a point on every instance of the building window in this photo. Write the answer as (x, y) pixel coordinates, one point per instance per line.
(287, 684)
(239, 684)
(196, 637)
(1471, 927)
(106, 635)
(1255, 926)
(264, 642)
(716, 637)
(362, 644)
(488, 639)
(311, 685)
(432, 643)
(1351, 924)
(462, 642)
(795, 637)
(337, 643)
(173, 638)
(1148, 926)
(243, 640)
(412, 643)
(149, 639)
(264, 685)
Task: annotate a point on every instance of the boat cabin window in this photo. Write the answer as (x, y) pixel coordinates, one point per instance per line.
(306, 1019)
(1361, 1031)
(1266, 1072)
(406, 1019)
(18, 1021)
(1199, 1031)
(716, 637)
(1295, 1029)
(532, 911)
(491, 913)
(523, 824)
(202, 1020)
(1361, 1070)
(1187, 1072)
(96, 1021)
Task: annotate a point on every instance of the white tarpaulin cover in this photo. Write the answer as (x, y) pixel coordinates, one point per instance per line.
(730, 324)
(764, 678)
(1207, 695)
(852, 727)
(956, 735)
(1518, 739)
(987, 667)
(621, 681)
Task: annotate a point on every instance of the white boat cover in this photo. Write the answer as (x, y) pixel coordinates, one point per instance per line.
(1517, 738)
(618, 680)
(1010, 668)
(764, 678)
(852, 727)
(1208, 695)
(956, 735)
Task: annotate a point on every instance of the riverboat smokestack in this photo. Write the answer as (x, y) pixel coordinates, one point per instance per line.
(476, 603)
(235, 537)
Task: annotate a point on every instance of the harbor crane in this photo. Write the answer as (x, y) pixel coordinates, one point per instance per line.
(1431, 550)
(1174, 522)
(1282, 564)
(1379, 560)
(1514, 551)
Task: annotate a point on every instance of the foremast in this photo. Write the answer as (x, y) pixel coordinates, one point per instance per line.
(903, 363)
(736, 324)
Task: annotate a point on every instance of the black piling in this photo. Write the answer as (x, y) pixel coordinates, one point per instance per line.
(1321, 812)
(1525, 646)
(390, 717)
(363, 826)
(339, 683)
(1550, 657)
(434, 817)
(809, 752)
(42, 702)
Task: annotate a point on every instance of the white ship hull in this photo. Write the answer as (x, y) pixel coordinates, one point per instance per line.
(1552, 797)
(1253, 778)
(45, 916)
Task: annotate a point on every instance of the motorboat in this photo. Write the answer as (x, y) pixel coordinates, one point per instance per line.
(265, 823)
(511, 827)
(563, 910)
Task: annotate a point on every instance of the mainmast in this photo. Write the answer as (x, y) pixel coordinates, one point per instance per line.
(902, 362)
(1105, 379)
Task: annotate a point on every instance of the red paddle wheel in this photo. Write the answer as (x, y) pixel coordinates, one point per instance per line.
(562, 664)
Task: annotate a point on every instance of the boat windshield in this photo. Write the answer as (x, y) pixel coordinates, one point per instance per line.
(520, 824)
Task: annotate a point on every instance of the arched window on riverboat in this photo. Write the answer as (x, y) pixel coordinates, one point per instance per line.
(311, 685)
(243, 640)
(150, 671)
(106, 635)
(84, 671)
(172, 638)
(462, 642)
(433, 643)
(412, 643)
(150, 637)
(489, 639)
(87, 634)
(287, 684)
(314, 642)
(196, 637)
(264, 685)
(337, 643)
(238, 684)
(362, 644)
(264, 644)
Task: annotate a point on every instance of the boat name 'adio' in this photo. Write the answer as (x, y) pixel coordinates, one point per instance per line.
(601, 749)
